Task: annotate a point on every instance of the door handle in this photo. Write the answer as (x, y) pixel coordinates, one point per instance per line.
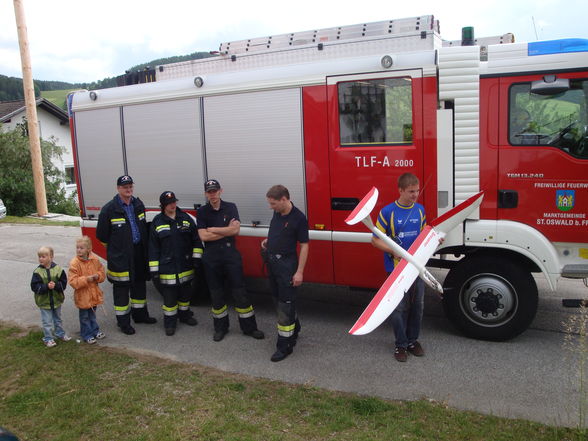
(508, 199)
(344, 203)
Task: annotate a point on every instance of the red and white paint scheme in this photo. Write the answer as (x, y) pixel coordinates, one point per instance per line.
(412, 264)
(333, 112)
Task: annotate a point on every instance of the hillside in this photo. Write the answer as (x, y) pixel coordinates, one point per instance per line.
(11, 88)
(57, 97)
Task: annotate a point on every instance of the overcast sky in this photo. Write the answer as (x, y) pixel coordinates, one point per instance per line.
(84, 41)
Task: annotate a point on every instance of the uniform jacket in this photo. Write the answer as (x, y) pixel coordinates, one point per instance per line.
(114, 231)
(87, 294)
(173, 246)
(46, 298)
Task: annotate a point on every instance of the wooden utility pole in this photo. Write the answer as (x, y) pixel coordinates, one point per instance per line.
(33, 124)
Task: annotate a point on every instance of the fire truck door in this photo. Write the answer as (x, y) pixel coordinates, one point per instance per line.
(375, 135)
(543, 154)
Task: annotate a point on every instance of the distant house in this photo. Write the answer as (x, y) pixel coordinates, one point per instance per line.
(53, 121)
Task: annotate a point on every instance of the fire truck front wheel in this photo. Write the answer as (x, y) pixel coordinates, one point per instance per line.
(490, 298)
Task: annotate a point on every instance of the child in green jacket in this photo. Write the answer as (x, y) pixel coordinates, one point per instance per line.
(48, 283)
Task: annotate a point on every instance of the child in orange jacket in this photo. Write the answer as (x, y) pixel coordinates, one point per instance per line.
(85, 273)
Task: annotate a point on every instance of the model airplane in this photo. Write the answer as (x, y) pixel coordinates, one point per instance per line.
(413, 261)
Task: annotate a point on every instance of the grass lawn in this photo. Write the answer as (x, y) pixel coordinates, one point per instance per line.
(32, 220)
(57, 97)
(81, 392)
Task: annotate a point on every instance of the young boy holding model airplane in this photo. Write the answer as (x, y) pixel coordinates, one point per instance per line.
(403, 220)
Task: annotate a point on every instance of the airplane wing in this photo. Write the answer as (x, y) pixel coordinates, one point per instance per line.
(412, 265)
(398, 282)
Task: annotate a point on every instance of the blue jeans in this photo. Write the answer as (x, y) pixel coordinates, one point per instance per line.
(408, 315)
(88, 325)
(51, 320)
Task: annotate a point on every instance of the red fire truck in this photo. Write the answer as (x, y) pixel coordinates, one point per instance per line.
(331, 113)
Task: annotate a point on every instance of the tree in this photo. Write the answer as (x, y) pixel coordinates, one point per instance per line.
(16, 177)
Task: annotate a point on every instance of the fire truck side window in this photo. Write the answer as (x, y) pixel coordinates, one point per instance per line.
(559, 120)
(375, 112)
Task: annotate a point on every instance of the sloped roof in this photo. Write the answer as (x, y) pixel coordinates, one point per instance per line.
(10, 108)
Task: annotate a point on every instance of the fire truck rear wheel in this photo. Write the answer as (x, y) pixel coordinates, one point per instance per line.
(490, 298)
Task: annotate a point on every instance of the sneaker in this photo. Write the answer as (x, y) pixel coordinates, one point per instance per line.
(256, 334)
(279, 355)
(91, 341)
(49, 343)
(170, 331)
(416, 349)
(65, 337)
(100, 336)
(400, 354)
(219, 335)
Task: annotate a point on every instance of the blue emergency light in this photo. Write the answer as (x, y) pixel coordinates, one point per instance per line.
(562, 46)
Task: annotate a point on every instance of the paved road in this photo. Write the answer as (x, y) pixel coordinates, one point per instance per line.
(532, 377)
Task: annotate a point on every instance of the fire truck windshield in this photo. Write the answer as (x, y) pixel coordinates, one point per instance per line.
(559, 120)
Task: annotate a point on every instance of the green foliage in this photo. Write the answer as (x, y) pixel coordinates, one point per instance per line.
(11, 89)
(168, 60)
(16, 181)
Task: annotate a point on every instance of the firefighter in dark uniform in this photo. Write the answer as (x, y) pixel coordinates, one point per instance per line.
(288, 227)
(218, 224)
(173, 246)
(122, 228)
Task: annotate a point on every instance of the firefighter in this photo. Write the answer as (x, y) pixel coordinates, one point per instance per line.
(173, 246)
(122, 229)
(288, 227)
(218, 224)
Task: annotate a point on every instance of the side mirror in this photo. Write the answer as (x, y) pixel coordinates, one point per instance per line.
(550, 85)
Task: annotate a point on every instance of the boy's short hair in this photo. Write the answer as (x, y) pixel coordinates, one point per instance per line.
(406, 180)
(44, 251)
(86, 240)
(277, 192)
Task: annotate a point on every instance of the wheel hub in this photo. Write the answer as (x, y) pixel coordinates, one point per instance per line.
(489, 300)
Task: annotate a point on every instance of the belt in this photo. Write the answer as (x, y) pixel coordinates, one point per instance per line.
(217, 244)
(280, 256)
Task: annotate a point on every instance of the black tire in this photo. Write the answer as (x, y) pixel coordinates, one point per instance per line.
(490, 298)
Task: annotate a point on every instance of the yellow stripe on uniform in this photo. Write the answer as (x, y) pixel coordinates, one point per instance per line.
(220, 313)
(245, 312)
(286, 331)
(119, 277)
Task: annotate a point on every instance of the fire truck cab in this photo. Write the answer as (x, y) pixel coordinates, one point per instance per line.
(333, 112)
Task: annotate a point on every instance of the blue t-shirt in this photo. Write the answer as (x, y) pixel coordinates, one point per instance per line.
(403, 222)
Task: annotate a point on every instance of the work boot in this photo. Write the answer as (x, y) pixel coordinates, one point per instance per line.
(256, 334)
(141, 315)
(221, 327)
(186, 317)
(247, 324)
(129, 330)
(219, 334)
(124, 323)
(170, 323)
(297, 329)
(279, 355)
